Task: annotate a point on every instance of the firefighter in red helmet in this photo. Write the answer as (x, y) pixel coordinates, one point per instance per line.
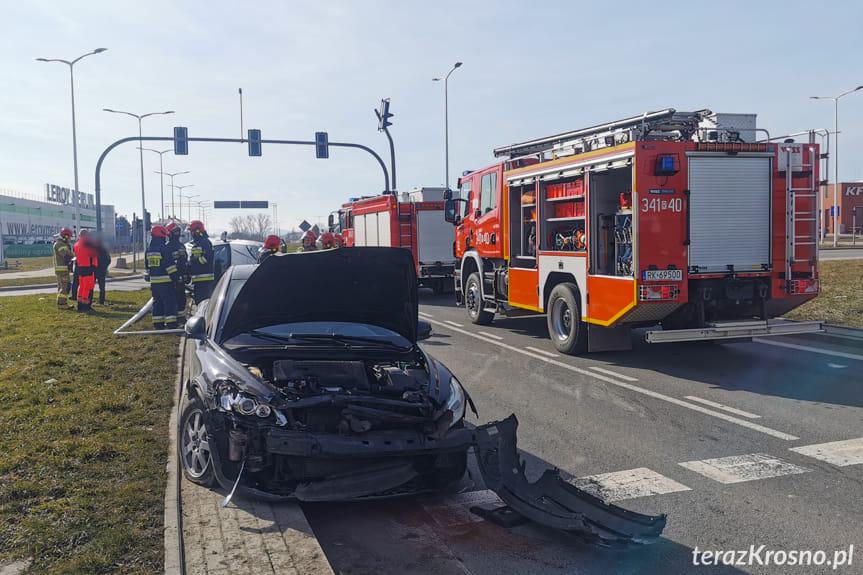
(308, 241)
(328, 241)
(62, 266)
(162, 272)
(270, 247)
(201, 262)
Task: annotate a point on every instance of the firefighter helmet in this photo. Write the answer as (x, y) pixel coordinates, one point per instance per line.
(308, 238)
(160, 232)
(328, 241)
(197, 228)
(271, 244)
(340, 241)
(174, 229)
(65, 233)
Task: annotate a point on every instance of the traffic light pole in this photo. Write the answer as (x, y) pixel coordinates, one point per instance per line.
(142, 139)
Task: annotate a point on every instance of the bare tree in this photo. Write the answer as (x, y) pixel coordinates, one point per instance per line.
(250, 227)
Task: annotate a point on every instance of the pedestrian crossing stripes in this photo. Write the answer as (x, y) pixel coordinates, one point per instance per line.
(740, 468)
(628, 484)
(838, 453)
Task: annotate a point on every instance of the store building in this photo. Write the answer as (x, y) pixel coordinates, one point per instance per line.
(28, 222)
(850, 207)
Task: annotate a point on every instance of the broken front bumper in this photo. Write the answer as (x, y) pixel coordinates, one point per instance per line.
(552, 501)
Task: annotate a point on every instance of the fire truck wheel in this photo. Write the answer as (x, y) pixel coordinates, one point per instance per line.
(473, 301)
(567, 331)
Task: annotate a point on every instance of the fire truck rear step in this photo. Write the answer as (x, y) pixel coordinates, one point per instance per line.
(734, 330)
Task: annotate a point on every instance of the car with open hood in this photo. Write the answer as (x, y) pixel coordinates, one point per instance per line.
(303, 378)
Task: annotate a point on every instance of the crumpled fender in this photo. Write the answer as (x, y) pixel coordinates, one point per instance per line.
(550, 500)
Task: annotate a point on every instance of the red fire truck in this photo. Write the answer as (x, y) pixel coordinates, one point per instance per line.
(411, 220)
(678, 219)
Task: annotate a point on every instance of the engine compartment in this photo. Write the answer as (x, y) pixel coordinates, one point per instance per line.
(304, 378)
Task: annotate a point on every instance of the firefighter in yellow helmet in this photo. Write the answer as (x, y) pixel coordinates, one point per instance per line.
(62, 265)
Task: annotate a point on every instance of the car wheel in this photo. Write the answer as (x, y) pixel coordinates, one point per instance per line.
(567, 331)
(194, 445)
(473, 301)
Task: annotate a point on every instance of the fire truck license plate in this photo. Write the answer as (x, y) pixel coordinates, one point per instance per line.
(667, 275)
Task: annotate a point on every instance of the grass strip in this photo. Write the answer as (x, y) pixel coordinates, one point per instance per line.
(83, 437)
(841, 299)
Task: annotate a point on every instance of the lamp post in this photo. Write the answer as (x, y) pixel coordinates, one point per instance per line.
(836, 158)
(172, 188)
(188, 198)
(446, 115)
(161, 178)
(74, 138)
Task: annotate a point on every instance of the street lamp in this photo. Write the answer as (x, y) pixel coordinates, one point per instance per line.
(172, 189)
(161, 177)
(74, 139)
(187, 197)
(446, 115)
(836, 158)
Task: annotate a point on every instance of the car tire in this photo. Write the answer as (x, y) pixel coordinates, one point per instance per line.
(473, 301)
(566, 329)
(194, 444)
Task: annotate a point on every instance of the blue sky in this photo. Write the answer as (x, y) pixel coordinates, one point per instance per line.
(307, 66)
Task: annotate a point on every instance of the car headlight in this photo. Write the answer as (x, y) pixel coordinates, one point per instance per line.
(230, 399)
(455, 402)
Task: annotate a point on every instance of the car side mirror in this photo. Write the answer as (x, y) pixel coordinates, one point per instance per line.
(424, 330)
(330, 222)
(196, 328)
(447, 195)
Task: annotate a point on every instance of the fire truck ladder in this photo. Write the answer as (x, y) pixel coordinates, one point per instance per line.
(667, 124)
(800, 207)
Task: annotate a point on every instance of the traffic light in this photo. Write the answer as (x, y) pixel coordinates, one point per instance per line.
(147, 225)
(181, 141)
(254, 142)
(322, 145)
(384, 115)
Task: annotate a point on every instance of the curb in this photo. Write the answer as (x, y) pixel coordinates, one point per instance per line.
(47, 285)
(174, 560)
(843, 332)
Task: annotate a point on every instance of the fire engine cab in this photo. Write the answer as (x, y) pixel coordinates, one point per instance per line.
(678, 219)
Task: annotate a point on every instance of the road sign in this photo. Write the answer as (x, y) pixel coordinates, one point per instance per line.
(305, 226)
(243, 204)
(218, 205)
(254, 204)
(322, 146)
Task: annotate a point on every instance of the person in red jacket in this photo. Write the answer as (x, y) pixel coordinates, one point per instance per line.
(86, 260)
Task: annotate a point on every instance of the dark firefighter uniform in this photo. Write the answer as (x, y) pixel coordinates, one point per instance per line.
(62, 264)
(181, 260)
(201, 262)
(162, 273)
(86, 260)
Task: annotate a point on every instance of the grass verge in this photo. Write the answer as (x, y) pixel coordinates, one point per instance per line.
(28, 264)
(841, 299)
(52, 280)
(83, 437)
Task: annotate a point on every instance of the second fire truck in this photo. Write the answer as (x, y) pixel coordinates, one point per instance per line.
(678, 219)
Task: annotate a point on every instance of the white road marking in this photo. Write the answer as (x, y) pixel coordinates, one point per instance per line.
(424, 314)
(838, 453)
(615, 374)
(740, 468)
(810, 349)
(723, 407)
(836, 365)
(491, 335)
(541, 351)
(453, 323)
(629, 386)
(628, 484)
(455, 509)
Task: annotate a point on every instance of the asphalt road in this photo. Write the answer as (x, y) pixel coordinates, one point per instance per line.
(644, 416)
(842, 254)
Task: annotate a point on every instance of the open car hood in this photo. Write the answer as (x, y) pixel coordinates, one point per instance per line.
(372, 285)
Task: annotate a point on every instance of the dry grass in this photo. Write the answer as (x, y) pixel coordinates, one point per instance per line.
(28, 264)
(841, 299)
(83, 437)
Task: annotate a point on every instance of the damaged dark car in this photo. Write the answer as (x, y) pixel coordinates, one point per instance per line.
(303, 379)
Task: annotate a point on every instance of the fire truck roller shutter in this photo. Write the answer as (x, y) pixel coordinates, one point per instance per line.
(729, 211)
(384, 238)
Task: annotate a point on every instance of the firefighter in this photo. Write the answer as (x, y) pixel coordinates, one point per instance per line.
(162, 273)
(308, 241)
(62, 267)
(86, 260)
(328, 241)
(181, 260)
(201, 262)
(340, 241)
(270, 247)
